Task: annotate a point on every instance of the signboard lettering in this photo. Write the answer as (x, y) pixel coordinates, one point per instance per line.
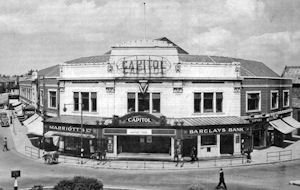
(139, 120)
(216, 130)
(69, 129)
(139, 131)
(143, 65)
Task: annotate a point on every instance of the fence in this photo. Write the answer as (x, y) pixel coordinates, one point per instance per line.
(146, 164)
(32, 152)
(279, 156)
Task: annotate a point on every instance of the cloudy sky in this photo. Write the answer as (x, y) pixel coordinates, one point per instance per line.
(35, 34)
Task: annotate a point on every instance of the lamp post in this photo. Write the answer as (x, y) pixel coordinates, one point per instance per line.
(81, 128)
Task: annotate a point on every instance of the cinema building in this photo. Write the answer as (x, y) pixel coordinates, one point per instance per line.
(151, 96)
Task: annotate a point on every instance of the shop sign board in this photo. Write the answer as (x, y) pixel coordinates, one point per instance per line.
(139, 118)
(70, 129)
(139, 131)
(216, 130)
(143, 65)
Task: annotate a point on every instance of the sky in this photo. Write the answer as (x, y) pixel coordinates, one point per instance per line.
(35, 34)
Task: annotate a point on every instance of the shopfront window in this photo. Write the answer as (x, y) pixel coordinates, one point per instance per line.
(286, 98)
(208, 102)
(131, 102)
(197, 102)
(219, 102)
(156, 102)
(85, 101)
(253, 101)
(52, 99)
(274, 99)
(208, 140)
(143, 102)
(76, 101)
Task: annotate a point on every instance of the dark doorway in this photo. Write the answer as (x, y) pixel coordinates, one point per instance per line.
(188, 145)
(226, 144)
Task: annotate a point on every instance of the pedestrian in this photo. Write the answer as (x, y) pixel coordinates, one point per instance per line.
(176, 158)
(221, 179)
(5, 148)
(193, 154)
(248, 156)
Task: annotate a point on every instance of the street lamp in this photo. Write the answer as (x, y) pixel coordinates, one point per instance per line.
(81, 127)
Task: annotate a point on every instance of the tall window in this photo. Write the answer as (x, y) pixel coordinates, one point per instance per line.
(197, 102)
(52, 99)
(94, 101)
(131, 102)
(76, 101)
(208, 102)
(274, 99)
(253, 101)
(208, 140)
(85, 101)
(156, 102)
(219, 102)
(143, 102)
(286, 98)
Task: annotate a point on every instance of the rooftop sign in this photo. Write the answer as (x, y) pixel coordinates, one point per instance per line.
(143, 65)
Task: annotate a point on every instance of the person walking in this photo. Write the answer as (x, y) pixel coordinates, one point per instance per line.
(221, 179)
(5, 148)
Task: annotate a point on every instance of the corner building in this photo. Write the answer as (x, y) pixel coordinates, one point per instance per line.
(150, 96)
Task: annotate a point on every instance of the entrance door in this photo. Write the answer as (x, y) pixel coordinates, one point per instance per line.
(188, 144)
(226, 144)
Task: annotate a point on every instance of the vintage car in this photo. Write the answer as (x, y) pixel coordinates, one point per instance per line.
(51, 157)
(4, 120)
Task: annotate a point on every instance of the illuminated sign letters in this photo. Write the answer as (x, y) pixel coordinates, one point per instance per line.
(143, 65)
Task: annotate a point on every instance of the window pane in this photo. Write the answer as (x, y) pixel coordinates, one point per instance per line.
(208, 102)
(131, 102)
(52, 99)
(156, 102)
(274, 100)
(285, 98)
(253, 101)
(144, 102)
(208, 140)
(85, 101)
(219, 101)
(76, 101)
(94, 101)
(197, 102)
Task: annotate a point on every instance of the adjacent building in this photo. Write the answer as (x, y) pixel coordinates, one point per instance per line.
(293, 72)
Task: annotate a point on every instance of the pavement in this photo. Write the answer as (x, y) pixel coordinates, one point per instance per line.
(273, 154)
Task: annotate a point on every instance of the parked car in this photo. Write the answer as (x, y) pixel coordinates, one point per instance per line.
(4, 119)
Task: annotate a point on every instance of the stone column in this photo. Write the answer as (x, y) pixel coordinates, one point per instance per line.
(198, 146)
(115, 153)
(172, 147)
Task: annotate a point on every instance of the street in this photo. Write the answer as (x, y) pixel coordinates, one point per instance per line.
(275, 176)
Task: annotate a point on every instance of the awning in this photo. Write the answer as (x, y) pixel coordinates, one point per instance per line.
(67, 134)
(36, 127)
(30, 119)
(282, 126)
(292, 122)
